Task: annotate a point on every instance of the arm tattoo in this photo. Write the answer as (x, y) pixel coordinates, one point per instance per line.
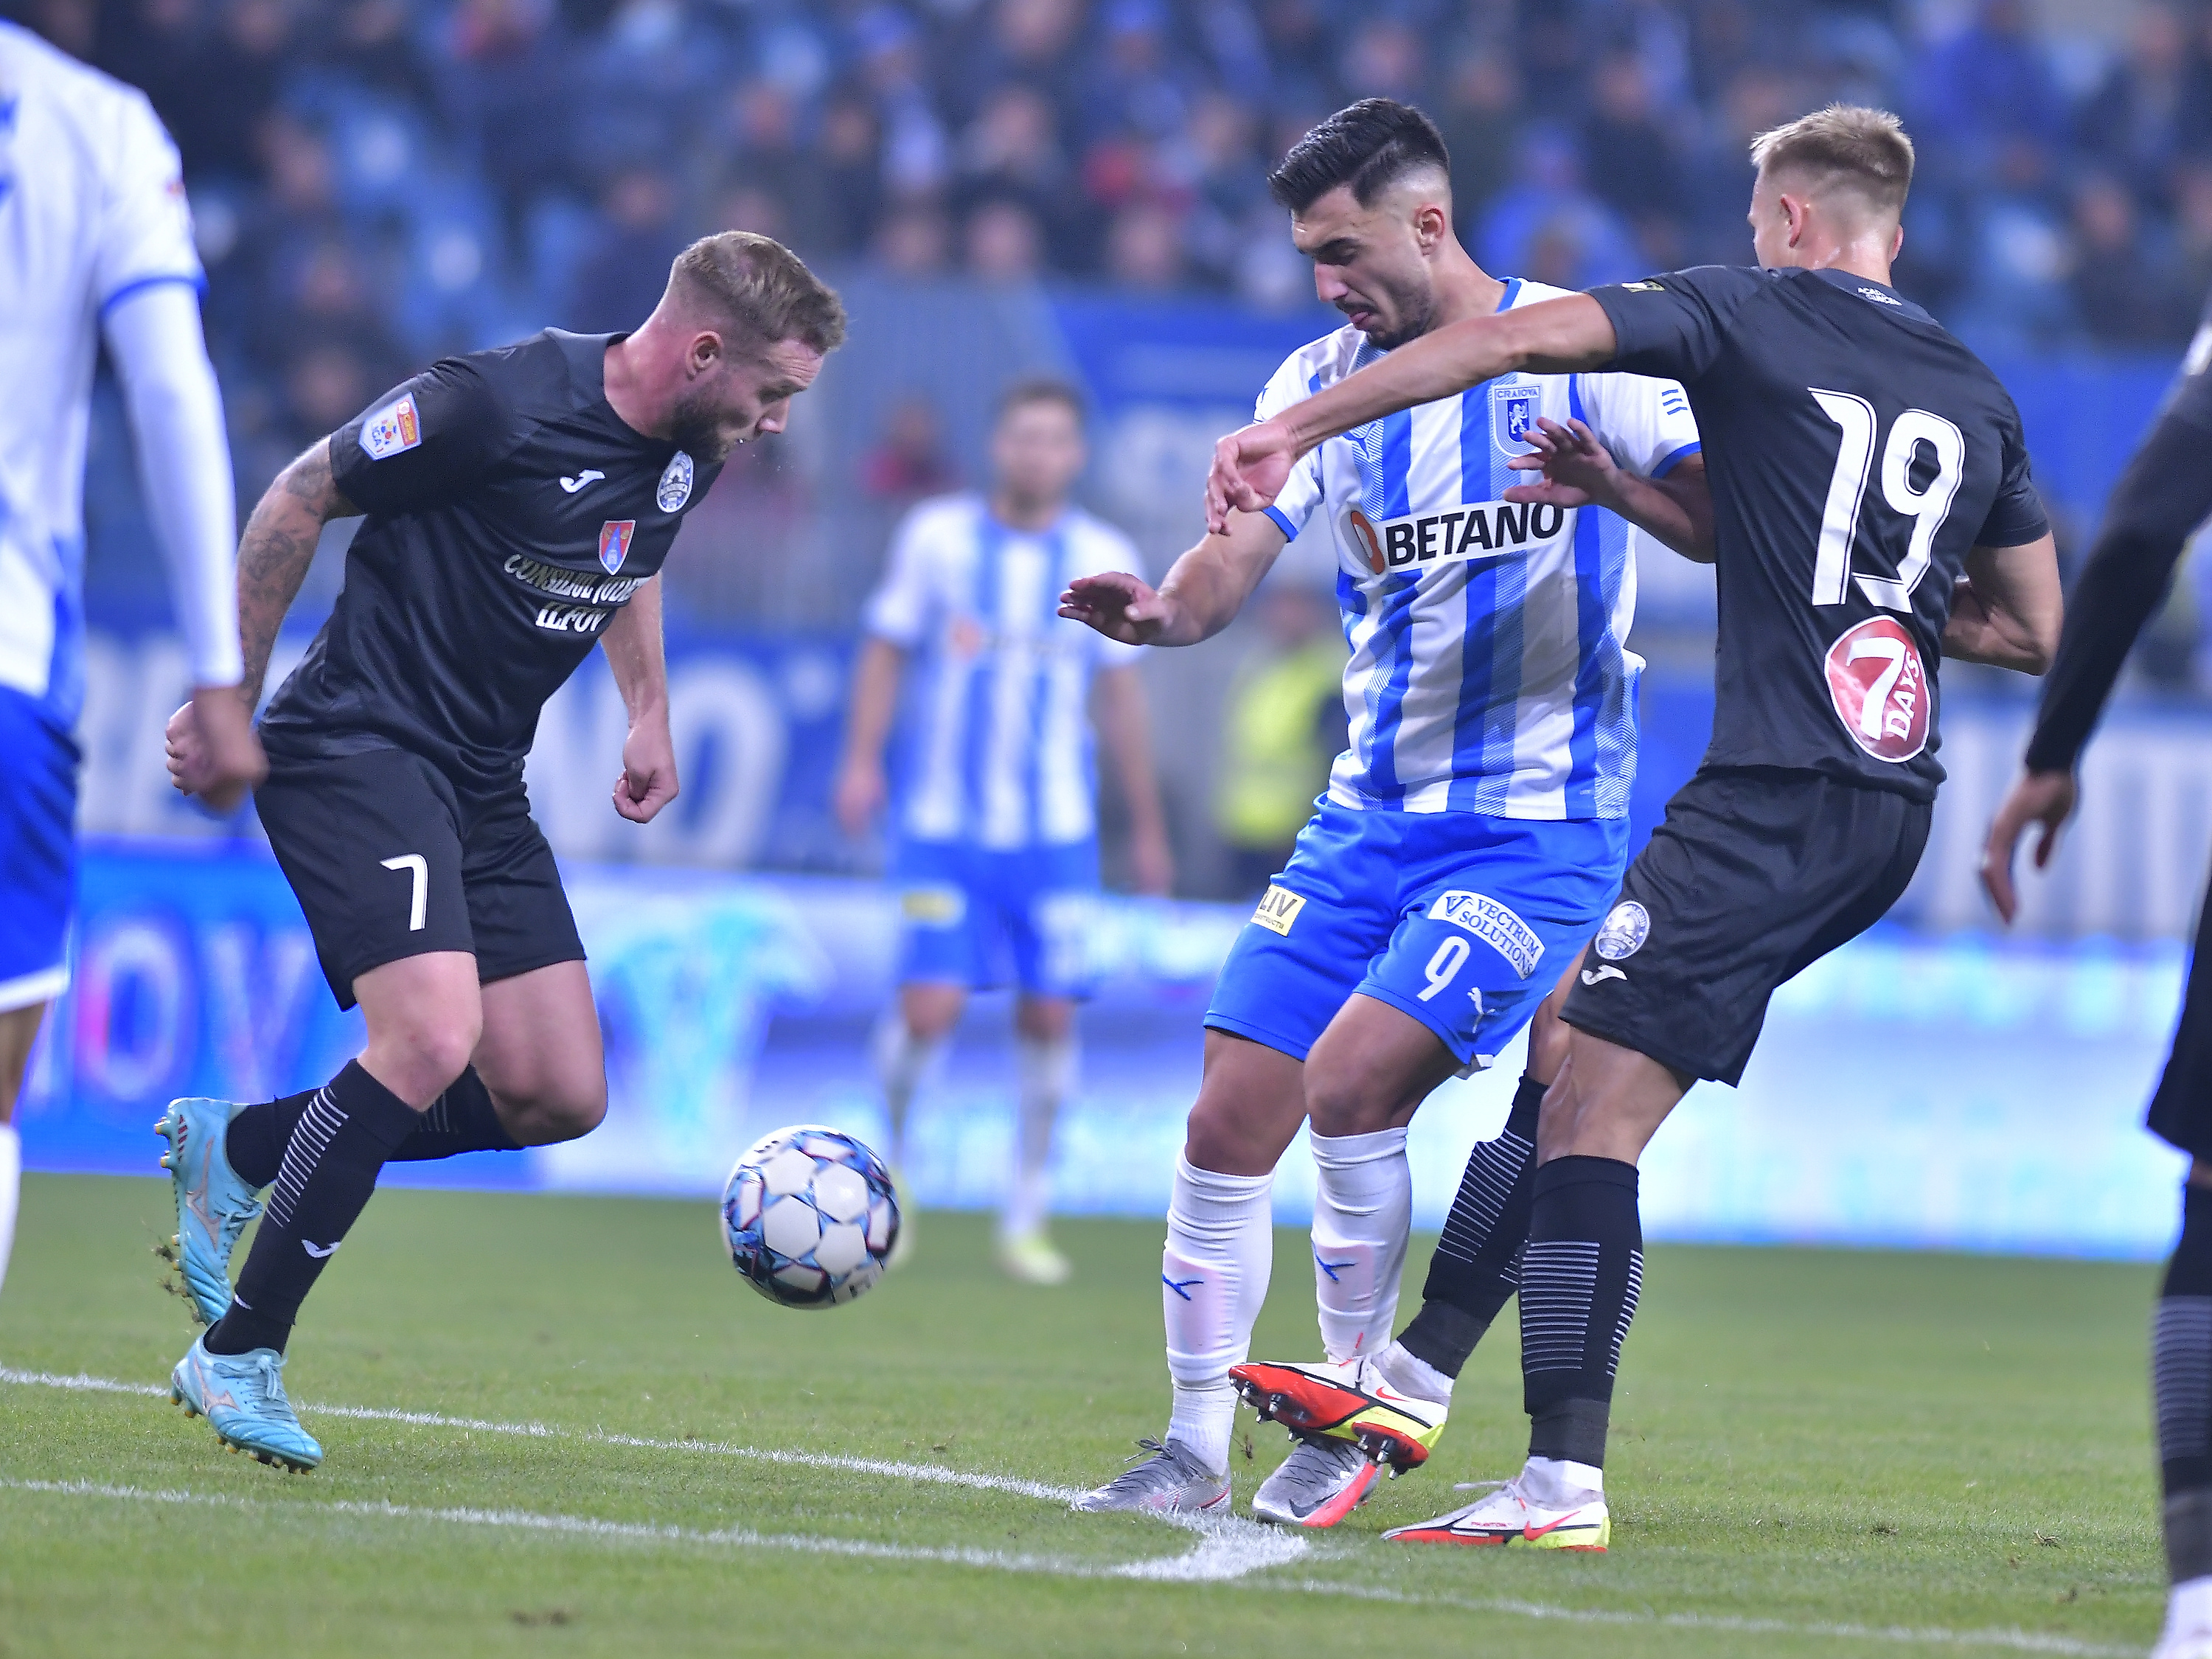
(273, 555)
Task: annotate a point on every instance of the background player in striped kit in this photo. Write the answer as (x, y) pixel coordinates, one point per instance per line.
(95, 244)
(997, 861)
(1474, 828)
(2160, 502)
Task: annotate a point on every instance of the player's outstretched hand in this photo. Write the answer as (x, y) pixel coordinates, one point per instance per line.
(647, 782)
(1250, 467)
(213, 750)
(1152, 863)
(1575, 469)
(1121, 607)
(2043, 797)
(860, 793)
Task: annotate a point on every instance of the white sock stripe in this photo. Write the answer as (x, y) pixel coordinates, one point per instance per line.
(310, 1139)
(1559, 1282)
(1492, 1170)
(1627, 1310)
(2181, 1375)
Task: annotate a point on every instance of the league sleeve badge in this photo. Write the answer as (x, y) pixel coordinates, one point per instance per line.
(392, 430)
(615, 537)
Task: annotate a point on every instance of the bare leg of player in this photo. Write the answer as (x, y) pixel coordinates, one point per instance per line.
(19, 1030)
(541, 1057)
(1044, 1038)
(910, 1044)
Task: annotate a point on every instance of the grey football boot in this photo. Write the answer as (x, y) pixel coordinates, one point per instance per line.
(1171, 1481)
(1321, 1482)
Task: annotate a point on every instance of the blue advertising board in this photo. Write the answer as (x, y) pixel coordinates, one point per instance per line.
(1917, 1091)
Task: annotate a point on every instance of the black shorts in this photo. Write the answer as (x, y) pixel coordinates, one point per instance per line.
(2181, 1110)
(1756, 874)
(388, 860)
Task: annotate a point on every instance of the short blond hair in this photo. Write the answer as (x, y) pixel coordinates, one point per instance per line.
(763, 287)
(1845, 146)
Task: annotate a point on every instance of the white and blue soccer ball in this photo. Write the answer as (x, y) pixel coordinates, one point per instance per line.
(809, 1216)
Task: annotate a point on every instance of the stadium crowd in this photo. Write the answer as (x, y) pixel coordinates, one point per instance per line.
(375, 180)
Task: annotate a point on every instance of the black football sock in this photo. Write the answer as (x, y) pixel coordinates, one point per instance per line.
(1477, 1266)
(1579, 1281)
(348, 1130)
(461, 1119)
(2181, 1384)
(255, 1143)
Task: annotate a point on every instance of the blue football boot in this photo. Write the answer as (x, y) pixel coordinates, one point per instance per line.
(214, 1203)
(242, 1397)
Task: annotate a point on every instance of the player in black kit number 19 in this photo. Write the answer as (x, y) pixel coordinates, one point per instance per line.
(518, 503)
(1872, 508)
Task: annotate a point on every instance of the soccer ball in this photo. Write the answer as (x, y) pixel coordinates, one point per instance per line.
(808, 1217)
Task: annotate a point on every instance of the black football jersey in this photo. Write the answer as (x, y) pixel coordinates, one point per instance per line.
(1856, 451)
(511, 513)
(2157, 505)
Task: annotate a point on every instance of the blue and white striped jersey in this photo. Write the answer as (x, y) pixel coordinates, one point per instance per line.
(92, 209)
(1489, 670)
(999, 739)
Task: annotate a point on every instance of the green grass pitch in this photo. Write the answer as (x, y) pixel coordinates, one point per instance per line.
(1814, 1453)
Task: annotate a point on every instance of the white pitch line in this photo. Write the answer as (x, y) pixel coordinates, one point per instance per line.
(643, 1532)
(932, 1473)
(2016, 1640)
(1228, 1548)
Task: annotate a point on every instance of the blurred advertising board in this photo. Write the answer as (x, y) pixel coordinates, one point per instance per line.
(1914, 1091)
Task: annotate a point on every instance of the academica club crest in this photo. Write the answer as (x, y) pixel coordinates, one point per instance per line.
(614, 541)
(675, 484)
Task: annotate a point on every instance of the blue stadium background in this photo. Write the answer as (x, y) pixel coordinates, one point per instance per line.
(1000, 187)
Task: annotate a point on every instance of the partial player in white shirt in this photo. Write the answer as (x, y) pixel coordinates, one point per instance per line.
(996, 827)
(1472, 837)
(95, 241)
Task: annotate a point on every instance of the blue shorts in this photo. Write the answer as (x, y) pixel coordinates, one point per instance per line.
(1461, 920)
(38, 853)
(979, 917)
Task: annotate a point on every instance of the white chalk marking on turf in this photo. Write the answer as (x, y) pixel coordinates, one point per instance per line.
(2019, 1641)
(925, 1472)
(1223, 1548)
(1225, 1535)
(1228, 1547)
(1231, 1547)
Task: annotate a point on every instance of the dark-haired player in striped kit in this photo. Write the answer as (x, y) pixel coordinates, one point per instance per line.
(1872, 507)
(519, 503)
(2163, 496)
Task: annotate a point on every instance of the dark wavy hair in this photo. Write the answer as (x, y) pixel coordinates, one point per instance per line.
(1368, 146)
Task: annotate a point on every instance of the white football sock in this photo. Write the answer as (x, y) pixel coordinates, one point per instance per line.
(1047, 1070)
(1409, 1373)
(904, 1063)
(1561, 1484)
(1363, 1210)
(2188, 1607)
(11, 1181)
(1213, 1276)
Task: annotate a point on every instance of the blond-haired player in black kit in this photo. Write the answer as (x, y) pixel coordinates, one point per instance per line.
(519, 504)
(1872, 509)
(2163, 496)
